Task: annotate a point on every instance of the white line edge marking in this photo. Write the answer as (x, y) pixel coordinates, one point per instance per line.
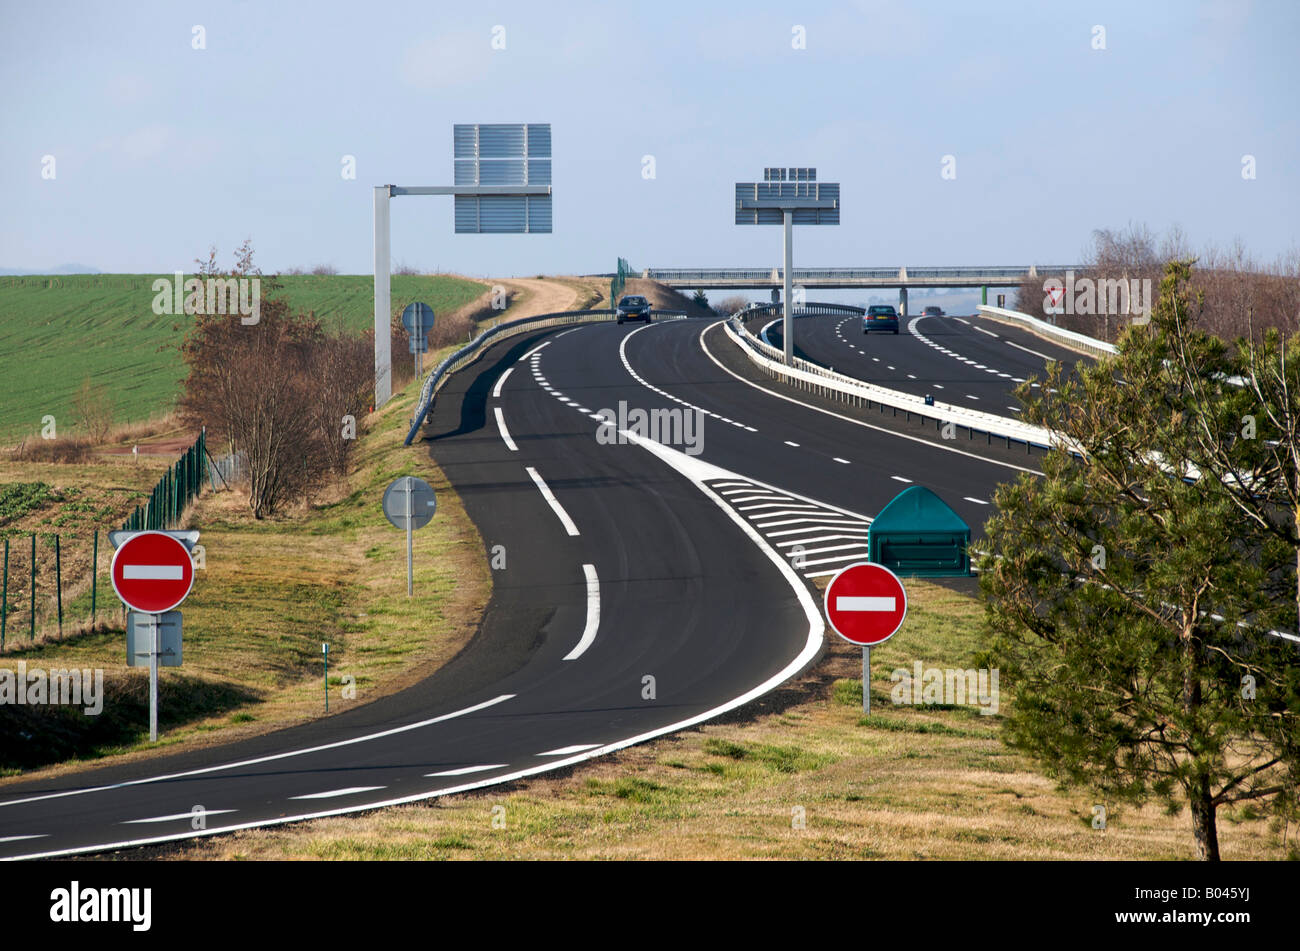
(989, 332)
(263, 759)
(567, 750)
(469, 769)
(567, 332)
(505, 433)
(331, 794)
(178, 816)
(19, 838)
(593, 614)
(849, 419)
(553, 502)
(496, 390)
(1010, 343)
(534, 350)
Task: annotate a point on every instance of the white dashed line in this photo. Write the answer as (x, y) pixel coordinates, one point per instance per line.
(838, 459)
(976, 501)
(496, 390)
(333, 793)
(900, 479)
(989, 332)
(505, 434)
(466, 770)
(553, 502)
(593, 614)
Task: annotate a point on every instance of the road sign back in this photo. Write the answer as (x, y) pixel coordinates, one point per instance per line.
(152, 572)
(866, 604)
(409, 502)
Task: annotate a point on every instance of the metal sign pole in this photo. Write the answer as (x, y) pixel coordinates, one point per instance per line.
(410, 512)
(325, 650)
(866, 681)
(788, 248)
(155, 621)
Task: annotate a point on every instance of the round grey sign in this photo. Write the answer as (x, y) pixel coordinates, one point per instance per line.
(409, 503)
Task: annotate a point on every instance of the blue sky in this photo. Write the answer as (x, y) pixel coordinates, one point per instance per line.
(162, 150)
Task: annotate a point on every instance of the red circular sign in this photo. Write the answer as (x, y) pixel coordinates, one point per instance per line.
(152, 572)
(866, 604)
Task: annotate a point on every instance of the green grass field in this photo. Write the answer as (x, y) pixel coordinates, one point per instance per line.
(57, 331)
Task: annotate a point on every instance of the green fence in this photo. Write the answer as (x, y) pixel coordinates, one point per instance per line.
(618, 282)
(174, 491)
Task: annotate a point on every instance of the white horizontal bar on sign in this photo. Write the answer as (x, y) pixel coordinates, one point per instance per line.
(152, 572)
(865, 604)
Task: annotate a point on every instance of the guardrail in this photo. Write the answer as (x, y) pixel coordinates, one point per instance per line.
(1068, 338)
(808, 309)
(470, 352)
(826, 382)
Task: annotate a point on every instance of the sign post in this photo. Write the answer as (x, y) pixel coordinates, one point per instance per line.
(409, 504)
(152, 574)
(866, 605)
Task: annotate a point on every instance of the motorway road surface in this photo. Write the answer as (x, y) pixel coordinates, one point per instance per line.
(625, 560)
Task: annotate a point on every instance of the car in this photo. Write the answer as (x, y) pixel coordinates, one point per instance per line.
(633, 307)
(932, 312)
(880, 317)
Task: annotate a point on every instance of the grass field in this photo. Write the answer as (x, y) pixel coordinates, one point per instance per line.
(804, 776)
(55, 332)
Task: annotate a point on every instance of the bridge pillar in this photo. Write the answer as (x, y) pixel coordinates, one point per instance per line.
(902, 302)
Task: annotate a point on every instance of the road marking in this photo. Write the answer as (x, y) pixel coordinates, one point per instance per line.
(593, 614)
(534, 350)
(1027, 350)
(911, 376)
(900, 479)
(553, 502)
(465, 770)
(976, 501)
(496, 390)
(938, 386)
(152, 572)
(971, 397)
(838, 459)
(966, 322)
(989, 332)
(505, 434)
(865, 604)
(266, 759)
(567, 332)
(566, 750)
(349, 791)
(627, 365)
(19, 838)
(789, 443)
(179, 816)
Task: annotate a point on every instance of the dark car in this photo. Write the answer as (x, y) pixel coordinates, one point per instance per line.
(880, 317)
(633, 307)
(932, 312)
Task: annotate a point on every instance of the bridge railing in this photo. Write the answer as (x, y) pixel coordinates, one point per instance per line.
(902, 274)
(810, 309)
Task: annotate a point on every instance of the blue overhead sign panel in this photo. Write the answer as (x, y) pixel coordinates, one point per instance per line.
(502, 155)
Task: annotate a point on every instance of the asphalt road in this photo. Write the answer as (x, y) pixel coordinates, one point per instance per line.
(649, 584)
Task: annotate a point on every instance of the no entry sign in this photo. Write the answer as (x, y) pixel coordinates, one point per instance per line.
(866, 604)
(152, 572)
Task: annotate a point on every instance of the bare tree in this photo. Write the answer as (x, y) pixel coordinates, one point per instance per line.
(93, 408)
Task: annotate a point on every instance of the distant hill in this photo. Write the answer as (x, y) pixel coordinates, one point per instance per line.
(61, 269)
(57, 330)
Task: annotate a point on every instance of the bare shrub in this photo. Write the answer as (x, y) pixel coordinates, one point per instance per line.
(324, 270)
(92, 407)
(731, 305)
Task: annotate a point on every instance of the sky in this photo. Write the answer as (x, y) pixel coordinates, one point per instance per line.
(125, 148)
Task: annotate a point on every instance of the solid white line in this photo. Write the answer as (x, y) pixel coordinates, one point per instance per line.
(865, 604)
(966, 322)
(838, 459)
(178, 816)
(567, 332)
(266, 759)
(19, 838)
(152, 572)
(464, 770)
(496, 390)
(1027, 350)
(331, 794)
(534, 350)
(593, 614)
(505, 434)
(553, 502)
(566, 750)
(849, 419)
(976, 501)
(789, 443)
(989, 332)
